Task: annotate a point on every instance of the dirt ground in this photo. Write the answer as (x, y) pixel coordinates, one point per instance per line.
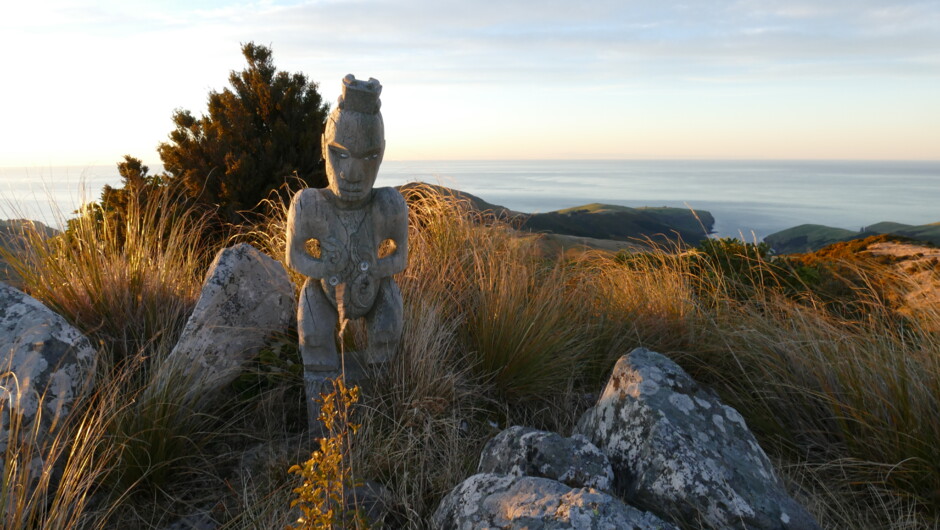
(919, 270)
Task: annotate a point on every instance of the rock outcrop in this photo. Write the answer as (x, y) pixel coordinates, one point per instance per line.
(537, 479)
(656, 450)
(45, 365)
(678, 451)
(245, 298)
(489, 500)
(523, 451)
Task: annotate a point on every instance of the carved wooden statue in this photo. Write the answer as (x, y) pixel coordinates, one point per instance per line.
(350, 220)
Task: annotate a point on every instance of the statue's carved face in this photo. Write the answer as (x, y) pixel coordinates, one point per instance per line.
(353, 148)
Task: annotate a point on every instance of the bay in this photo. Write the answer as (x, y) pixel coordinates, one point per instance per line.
(749, 198)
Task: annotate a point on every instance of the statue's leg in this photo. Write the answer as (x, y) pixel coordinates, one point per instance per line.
(384, 323)
(316, 325)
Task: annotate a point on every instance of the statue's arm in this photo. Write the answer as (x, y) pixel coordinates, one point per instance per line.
(303, 218)
(395, 212)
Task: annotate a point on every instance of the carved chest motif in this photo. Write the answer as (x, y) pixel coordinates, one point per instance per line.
(354, 261)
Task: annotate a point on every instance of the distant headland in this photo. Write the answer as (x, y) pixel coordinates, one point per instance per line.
(811, 237)
(591, 224)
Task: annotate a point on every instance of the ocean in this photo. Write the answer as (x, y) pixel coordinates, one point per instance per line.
(749, 199)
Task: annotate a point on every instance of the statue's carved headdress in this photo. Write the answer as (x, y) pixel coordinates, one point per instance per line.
(360, 96)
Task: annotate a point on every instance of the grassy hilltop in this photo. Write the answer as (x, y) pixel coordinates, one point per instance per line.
(621, 223)
(596, 225)
(841, 388)
(810, 237)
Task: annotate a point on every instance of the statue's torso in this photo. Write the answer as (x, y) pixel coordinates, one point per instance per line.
(358, 234)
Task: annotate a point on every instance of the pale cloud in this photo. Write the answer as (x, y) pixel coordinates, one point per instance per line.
(545, 41)
(125, 65)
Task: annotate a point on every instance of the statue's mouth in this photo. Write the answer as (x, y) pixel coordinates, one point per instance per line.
(353, 189)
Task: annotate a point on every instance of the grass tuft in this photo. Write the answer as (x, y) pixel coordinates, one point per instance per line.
(129, 286)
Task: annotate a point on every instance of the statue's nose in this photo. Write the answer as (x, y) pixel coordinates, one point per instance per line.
(355, 172)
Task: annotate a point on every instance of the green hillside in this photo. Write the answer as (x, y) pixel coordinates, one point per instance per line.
(886, 227)
(810, 237)
(598, 221)
(622, 223)
(929, 233)
(475, 202)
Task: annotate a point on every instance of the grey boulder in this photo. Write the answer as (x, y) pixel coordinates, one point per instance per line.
(488, 500)
(245, 298)
(678, 451)
(574, 461)
(45, 365)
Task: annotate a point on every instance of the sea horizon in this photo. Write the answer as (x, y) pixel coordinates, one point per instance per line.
(749, 198)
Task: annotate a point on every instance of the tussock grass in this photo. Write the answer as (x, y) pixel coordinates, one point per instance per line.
(523, 330)
(649, 303)
(128, 285)
(160, 431)
(419, 420)
(862, 393)
(512, 309)
(847, 402)
(48, 481)
(88, 470)
(130, 288)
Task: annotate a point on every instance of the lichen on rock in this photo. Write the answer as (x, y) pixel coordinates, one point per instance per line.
(523, 451)
(45, 365)
(489, 500)
(678, 451)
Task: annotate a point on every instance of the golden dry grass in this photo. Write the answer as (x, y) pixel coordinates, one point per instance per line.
(495, 334)
(128, 283)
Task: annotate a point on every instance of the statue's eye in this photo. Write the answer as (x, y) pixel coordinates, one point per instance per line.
(343, 155)
(374, 156)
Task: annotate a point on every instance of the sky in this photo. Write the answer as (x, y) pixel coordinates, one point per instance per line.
(84, 83)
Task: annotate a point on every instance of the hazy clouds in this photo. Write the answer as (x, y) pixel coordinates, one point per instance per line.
(134, 61)
(491, 40)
